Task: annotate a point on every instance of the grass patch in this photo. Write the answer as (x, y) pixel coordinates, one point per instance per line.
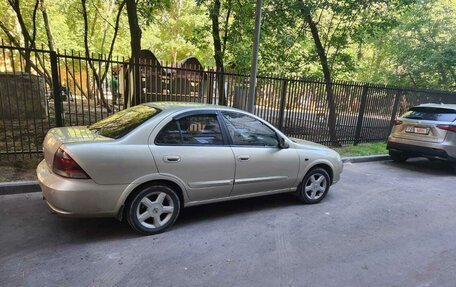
(363, 149)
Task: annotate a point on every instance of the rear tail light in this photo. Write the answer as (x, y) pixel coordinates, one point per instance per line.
(447, 127)
(397, 122)
(65, 166)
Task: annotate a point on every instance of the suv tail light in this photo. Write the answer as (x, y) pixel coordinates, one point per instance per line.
(447, 127)
(397, 122)
(65, 166)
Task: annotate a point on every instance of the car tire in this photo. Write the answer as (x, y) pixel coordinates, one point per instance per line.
(397, 156)
(153, 209)
(314, 187)
(453, 166)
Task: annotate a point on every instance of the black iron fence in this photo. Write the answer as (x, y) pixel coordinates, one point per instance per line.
(42, 89)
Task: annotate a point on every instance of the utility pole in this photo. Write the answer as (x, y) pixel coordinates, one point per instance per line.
(254, 66)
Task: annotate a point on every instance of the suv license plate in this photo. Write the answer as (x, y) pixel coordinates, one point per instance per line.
(423, 131)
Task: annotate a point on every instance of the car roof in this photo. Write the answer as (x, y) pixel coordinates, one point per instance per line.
(443, 106)
(181, 106)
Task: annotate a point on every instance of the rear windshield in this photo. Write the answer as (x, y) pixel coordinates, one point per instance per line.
(123, 122)
(431, 114)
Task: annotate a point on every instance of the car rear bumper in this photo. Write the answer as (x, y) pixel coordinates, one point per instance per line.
(412, 148)
(78, 197)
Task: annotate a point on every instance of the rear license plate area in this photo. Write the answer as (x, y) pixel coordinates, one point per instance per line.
(417, 130)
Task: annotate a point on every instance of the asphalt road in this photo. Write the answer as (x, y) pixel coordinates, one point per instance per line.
(384, 224)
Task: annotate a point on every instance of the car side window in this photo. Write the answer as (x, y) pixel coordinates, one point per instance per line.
(191, 130)
(246, 130)
(201, 129)
(170, 134)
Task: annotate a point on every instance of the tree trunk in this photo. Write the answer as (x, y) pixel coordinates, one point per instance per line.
(47, 27)
(328, 82)
(29, 42)
(43, 73)
(218, 52)
(114, 37)
(135, 44)
(98, 82)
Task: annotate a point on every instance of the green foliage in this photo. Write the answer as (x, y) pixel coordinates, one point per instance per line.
(397, 42)
(418, 51)
(180, 31)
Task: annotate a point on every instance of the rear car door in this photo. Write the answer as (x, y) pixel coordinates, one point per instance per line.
(261, 166)
(192, 148)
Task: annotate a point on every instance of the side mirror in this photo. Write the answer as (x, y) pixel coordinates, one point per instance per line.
(283, 143)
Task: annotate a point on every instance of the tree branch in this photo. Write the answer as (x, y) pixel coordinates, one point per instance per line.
(225, 35)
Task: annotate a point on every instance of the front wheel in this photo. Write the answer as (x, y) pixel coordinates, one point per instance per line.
(314, 187)
(153, 209)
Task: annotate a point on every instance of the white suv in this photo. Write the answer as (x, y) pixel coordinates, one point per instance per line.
(427, 130)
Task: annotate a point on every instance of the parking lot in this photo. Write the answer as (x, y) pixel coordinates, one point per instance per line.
(384, 224)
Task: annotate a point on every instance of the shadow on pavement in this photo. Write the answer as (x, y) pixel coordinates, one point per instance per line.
(100, 229)
(223, 209)
(426, 166)
(93, 229)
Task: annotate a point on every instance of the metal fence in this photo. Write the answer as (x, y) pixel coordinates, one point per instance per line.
(42, 89)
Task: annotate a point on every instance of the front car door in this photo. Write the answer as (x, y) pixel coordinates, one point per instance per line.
(192, 148)
(261, 166)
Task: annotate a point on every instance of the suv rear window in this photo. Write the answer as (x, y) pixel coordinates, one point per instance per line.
(123, 122)
(431, 114)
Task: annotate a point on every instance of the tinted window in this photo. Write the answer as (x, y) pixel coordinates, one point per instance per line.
(201, 129)
(170, 134)
(123, 122)
(431, 114)
(192, 130)
(246, 130)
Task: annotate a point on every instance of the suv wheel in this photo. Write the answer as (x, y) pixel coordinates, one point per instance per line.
(453, 166)
(153, 209)
(397, 156)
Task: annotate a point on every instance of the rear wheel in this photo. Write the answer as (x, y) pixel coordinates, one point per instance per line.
(397, 156)
(153, 209)
(314, 187)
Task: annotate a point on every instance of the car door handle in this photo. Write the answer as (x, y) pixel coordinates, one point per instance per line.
(172, 158)
(243, 158)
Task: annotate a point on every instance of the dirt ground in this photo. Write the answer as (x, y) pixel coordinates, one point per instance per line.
(18, 170)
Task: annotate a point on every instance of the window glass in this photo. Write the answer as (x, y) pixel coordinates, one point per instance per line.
(201, 129)
(246, 130)
(123, 122)
(431, 114)
(192, 130)
(170, 134)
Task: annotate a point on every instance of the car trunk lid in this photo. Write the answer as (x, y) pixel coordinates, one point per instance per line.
(58, 136)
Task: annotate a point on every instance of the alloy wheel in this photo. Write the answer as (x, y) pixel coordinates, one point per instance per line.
(155, 210)
(315, 186)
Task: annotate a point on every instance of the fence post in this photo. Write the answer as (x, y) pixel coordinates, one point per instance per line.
(362, 108)
(283, 96)
(56, 89)
(395, 107)
(210, 87)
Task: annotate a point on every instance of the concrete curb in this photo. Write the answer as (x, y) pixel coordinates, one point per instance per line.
(17, 187)
(367, 158)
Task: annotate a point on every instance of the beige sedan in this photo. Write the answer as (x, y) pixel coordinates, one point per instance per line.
(147, 162)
